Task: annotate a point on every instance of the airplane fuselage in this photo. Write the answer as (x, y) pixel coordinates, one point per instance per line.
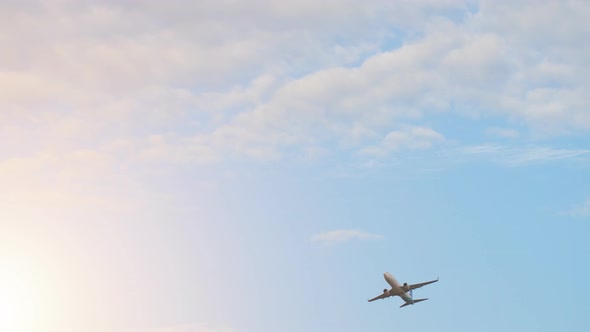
(397, 289)
(404, 291)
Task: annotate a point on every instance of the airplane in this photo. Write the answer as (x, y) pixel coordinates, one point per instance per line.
(401, 290)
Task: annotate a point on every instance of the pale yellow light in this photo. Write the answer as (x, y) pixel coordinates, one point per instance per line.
(18, 301)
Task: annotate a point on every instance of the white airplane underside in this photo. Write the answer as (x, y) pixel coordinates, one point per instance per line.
(404, 291)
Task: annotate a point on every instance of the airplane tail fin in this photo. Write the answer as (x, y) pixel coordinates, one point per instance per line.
(415, 301)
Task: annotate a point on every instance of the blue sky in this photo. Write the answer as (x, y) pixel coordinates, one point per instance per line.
(252, 166)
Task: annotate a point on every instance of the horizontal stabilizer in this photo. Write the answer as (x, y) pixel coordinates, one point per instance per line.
(415, 301)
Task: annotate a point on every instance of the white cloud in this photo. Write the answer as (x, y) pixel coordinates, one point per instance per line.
(216, 81)
(458, 64)
(581, 211)
(413, 138)
(408, 138)
(503, 132)
(547, 154)
(343, 235)
(479, 60)
(177, 150)
(516, 156)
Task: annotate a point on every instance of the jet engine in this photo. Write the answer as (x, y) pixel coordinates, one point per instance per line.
(405, 287)
(385, 291)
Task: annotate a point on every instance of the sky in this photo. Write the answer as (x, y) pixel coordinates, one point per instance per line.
(256, 166)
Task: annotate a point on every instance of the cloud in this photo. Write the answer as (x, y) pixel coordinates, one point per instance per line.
(343, 235)
(216, 82)
(409, 138)
(580, 211)
(503, 132)
(516, 156)
(176, 150)
(452, 64)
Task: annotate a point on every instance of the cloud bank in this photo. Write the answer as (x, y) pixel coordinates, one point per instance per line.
(205, 83)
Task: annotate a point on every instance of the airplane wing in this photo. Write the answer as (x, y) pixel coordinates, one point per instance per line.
(382, 296)
(414, 286)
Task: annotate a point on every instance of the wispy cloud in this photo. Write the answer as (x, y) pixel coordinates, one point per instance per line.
(580, 211)
(547, 154)
(343, 235)
(503, 132)
(516, 156)
(411, 138)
